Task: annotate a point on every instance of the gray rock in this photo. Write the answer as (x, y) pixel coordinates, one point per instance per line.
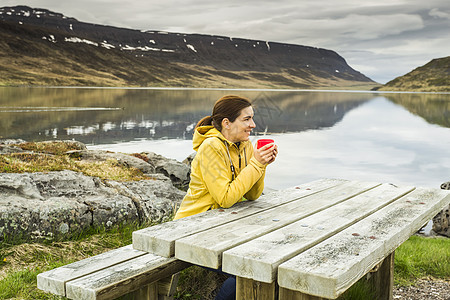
(155, 200)
(442, 220)
(7, 149)
(7, 146)
(57, 205)
(445, 185)
(11, 141)
(188, 160)
(151, 164)
(20, 185)
(178, 172)
(123, 159)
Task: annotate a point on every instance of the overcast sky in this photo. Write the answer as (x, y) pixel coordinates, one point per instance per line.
(383, 39)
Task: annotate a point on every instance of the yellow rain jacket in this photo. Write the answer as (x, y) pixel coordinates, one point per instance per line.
(213, 183)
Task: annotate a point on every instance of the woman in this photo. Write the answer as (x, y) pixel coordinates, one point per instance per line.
(226, 168)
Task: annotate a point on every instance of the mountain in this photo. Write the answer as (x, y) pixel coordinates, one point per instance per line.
(41, 47)
(431, 77)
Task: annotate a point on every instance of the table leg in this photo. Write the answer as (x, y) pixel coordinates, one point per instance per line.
(382, 279)
(249, 289)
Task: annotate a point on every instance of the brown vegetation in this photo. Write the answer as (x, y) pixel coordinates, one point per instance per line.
(56, 156)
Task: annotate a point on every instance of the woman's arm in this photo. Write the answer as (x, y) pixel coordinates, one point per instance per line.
(257, 189)
(215, 169)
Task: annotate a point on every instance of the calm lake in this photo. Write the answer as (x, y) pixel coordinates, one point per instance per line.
(400, 138)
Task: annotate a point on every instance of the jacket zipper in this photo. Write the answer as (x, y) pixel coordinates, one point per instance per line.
(239, 156)
(239, 160)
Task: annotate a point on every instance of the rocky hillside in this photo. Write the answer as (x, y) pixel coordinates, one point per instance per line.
(40, 47)
(432, 77)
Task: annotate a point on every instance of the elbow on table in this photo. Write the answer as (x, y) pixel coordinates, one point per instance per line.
(253, 195)
(227, 202)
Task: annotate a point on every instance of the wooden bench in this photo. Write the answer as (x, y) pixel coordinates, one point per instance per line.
(123, 271)
(313, 241)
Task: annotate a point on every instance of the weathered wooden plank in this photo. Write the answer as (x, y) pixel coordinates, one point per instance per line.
(123, 278)
(160, 239)
(331, 267)
(53, 281)
(259, 259)
(205, 248)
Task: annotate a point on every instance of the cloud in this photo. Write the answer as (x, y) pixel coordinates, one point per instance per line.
(439, 14)
(336, 31)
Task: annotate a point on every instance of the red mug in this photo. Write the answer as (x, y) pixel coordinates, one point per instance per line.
(262, 142)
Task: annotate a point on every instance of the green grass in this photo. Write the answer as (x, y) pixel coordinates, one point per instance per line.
(198, 283)
(418, 257)
(21, 263)
(22, 285)
(422, 257)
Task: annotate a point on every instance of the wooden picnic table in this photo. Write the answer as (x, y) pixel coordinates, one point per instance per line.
(312, 241)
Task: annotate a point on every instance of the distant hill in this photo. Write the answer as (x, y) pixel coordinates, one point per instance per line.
(40, 47)
(432, 77)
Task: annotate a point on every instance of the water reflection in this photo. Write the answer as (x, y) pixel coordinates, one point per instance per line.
(98, 116)
(434, 108)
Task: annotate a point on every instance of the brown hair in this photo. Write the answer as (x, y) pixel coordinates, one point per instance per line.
(226, 107)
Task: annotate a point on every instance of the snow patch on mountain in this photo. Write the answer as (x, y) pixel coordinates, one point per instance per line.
(78, 40)
(191, 47)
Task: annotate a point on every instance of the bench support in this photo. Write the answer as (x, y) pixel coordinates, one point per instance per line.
(163, 289)
(249, 289)
(168, 286)
(382, 279)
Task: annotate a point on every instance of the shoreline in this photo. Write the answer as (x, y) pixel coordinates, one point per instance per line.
(349, 89)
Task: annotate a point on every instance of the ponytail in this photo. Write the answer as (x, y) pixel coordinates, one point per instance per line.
(204, 122)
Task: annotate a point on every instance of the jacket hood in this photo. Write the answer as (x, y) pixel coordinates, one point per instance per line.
(202, 133)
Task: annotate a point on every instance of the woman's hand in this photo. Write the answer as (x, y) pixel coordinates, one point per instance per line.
(266, 154)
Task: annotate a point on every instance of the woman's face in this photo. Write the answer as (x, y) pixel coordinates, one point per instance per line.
(240, 129)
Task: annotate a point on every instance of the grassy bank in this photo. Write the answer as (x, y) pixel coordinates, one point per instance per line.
(418, 257)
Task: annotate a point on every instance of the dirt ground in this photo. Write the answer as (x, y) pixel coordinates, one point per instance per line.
(425, 289)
